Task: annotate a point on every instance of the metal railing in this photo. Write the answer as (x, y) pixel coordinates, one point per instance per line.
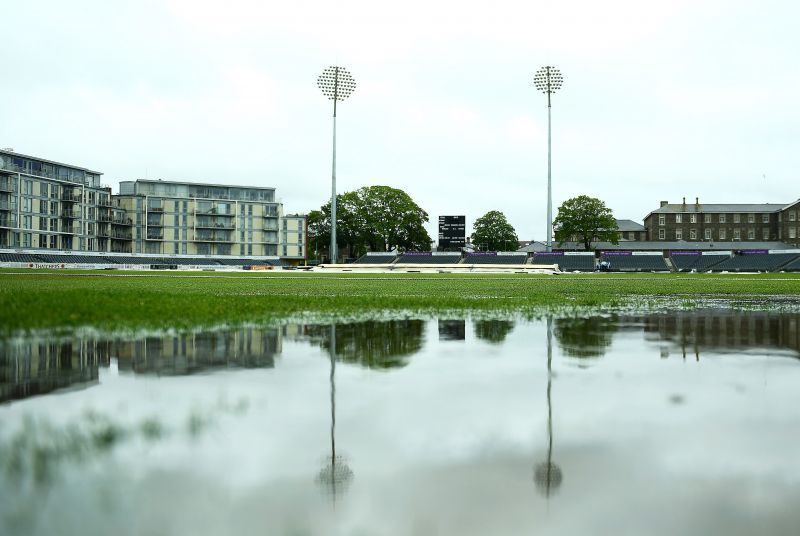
(69, 213)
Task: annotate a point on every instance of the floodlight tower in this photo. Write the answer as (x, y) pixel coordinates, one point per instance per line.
(337, 84)
(548, 80)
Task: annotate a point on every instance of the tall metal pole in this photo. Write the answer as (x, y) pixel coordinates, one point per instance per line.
(334, 250)
(548, 80)
(549, 176)
(337, 84)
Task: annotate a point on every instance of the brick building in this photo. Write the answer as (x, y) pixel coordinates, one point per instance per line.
(724, 222)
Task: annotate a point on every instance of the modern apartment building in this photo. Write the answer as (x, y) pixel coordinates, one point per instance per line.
(725, 222)
(45, 204)
(208, 219)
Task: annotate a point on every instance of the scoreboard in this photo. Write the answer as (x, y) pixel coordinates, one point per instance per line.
(452, 231)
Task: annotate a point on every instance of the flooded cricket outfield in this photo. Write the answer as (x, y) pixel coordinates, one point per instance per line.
(673, 423)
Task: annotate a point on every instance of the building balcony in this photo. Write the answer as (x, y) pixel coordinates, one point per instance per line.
(154, 236)
(4, 205)
(215, 212)
(155, 209)
(70, 213)
(71, 196)
(8, 222)
(105, 217)
(230, 225)
(122, 221)
(215, 239)
(6, 186)
(121, 236)
(103, 233)
(269, 226)
(70, 229)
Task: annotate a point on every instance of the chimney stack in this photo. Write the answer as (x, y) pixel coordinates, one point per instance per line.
(664, 203)
(697, 201)
(684, 203)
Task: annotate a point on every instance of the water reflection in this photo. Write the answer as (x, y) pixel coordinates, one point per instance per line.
(336, 475)
(452, 330)
(35, 366)
(493, 331)
(373, 344)
(585, 337)
(547, 475)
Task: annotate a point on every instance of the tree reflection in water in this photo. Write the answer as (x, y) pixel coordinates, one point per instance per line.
(372, 344)
(585, 337)
(493, 331)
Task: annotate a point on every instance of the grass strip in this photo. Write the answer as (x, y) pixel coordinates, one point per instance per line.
(145, 300)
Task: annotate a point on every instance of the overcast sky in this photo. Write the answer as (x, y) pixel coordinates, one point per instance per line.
(661, 100)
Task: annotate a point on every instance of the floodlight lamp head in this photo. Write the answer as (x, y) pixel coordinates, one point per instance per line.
(336, 83)
(548, 79)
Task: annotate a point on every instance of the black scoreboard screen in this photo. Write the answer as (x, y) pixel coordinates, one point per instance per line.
(452, 232)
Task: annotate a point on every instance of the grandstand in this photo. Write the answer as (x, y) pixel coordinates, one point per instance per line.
(376, 259)
(131, 260)
(447, 258)
(755, 262)
(567, 263)
(793, 266)
(636, 263)
(499, 258)
(686, 262)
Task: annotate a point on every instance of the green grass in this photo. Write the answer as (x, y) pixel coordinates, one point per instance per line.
(48, 300)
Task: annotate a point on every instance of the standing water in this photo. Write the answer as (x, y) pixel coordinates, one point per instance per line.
(674, 423)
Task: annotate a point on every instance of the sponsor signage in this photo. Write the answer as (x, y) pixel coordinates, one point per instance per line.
(613, 253)
(753, 251)
(417, 253)
(674, 253)
(483, 254)
(452, 232)
(549, 253)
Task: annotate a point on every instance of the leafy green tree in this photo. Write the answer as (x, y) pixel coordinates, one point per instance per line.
(492, 232)
(375, 218)
(585, 219)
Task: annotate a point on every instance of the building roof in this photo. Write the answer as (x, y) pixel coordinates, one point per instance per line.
(629, 225)
(657, 245)
(729, 207)
(20, 155)
(201, 184)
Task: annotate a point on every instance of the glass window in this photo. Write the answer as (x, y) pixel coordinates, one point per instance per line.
(722, 218)
(792, 215)
(792, 232)
(736, 218)
(751, 218)
(678, 218)
(661, 234)
(765, 218)
(722, 234)
(751, 234)
(693, 218)
(707, 218)
(692, 234)
(765, 234)
(678, 234)
(708, 234)
(737, 235)
(43, 189)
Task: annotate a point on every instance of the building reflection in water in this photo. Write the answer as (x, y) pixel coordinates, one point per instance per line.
(36, 366)
(336, 475)
(548, 475)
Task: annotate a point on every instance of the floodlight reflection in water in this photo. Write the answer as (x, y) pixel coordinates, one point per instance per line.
(450, 426)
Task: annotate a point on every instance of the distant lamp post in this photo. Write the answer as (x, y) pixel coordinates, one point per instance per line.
(337, 84)
(548, 80)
